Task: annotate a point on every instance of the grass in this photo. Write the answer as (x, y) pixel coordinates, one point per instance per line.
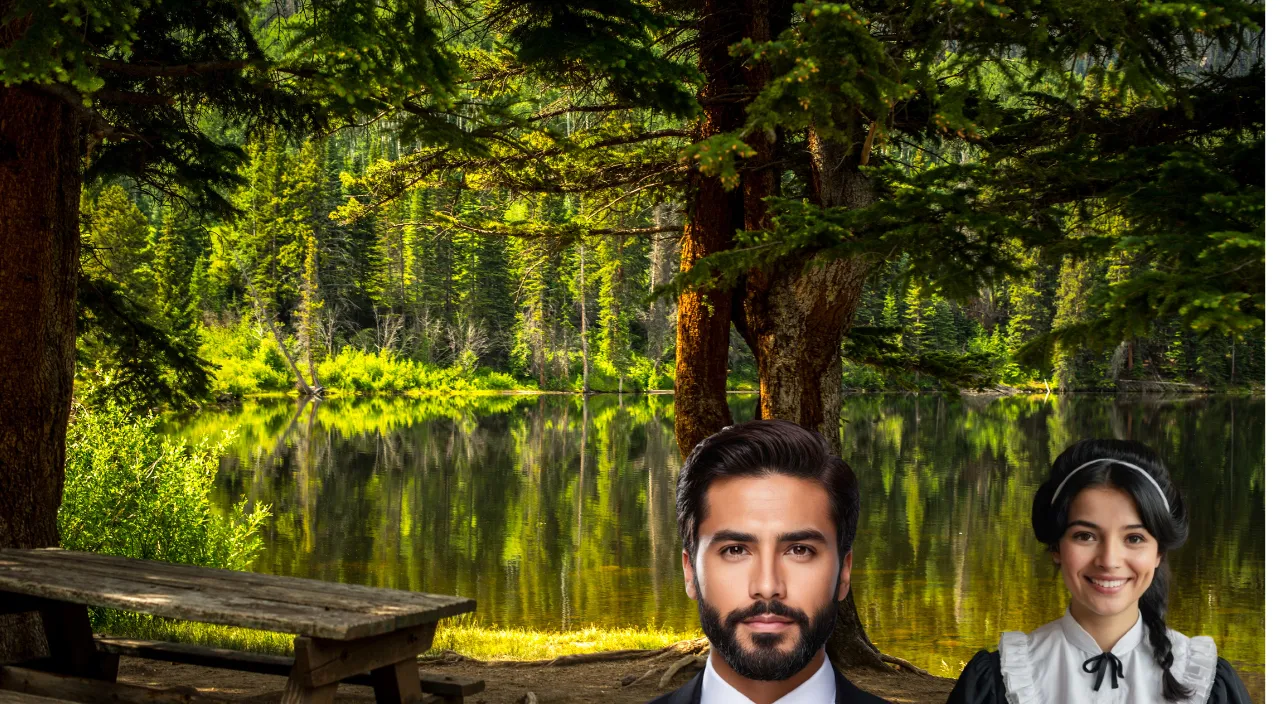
(480, 642)
(486, 643)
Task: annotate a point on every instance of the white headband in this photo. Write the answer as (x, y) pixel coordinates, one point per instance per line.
(1134, 467)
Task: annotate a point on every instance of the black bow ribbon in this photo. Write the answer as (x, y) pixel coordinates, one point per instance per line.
(1098, 664)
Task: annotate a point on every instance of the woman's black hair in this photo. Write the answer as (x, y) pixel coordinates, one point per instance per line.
(1167, 526)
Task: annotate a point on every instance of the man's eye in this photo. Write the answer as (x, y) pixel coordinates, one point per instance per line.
(734, 551)
(803, 550)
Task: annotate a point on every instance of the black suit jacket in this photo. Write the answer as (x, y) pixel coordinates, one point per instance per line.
(846, 693)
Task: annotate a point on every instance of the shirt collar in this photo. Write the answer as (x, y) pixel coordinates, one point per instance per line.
(1081, 639)
(820, 688)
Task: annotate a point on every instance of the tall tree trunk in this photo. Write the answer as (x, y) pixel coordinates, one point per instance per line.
(714, 215)
(41, 147)
(794, 319)
(794, 316)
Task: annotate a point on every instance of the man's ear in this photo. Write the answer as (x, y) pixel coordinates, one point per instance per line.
(688, 574)
(846, 567)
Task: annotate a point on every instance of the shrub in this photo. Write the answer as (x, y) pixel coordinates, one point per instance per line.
(132, 492)
(244, 363)
(366, 372)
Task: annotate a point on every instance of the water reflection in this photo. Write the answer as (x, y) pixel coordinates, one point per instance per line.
(552, 515)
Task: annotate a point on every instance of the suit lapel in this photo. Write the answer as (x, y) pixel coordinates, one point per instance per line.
(848, 693)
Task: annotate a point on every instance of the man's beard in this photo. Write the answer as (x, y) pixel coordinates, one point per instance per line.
(767, 661)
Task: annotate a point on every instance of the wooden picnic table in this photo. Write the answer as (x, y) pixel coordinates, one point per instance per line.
(345, 632)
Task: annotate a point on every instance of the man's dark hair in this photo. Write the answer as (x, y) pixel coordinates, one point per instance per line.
(759, 448)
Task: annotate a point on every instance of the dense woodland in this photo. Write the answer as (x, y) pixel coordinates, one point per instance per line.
(227, 197)
(409, 296)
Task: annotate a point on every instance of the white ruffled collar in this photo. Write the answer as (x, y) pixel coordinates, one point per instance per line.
(1049, 659)
(1080, 638)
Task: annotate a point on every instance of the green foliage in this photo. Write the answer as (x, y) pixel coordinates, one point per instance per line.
(246, 362)
(137, 343)
(146, 76)
(610, 38)
(364, 372)
(510, 183)
(132, 492)
(875, 347)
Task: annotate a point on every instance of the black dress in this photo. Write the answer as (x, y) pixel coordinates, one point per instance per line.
(982, 683)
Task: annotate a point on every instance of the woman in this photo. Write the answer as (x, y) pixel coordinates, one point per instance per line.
(1109, 515)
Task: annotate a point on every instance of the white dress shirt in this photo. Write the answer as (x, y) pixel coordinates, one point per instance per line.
(1047, 666)
(820, 688)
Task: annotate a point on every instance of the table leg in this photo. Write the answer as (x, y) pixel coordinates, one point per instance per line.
(398, 683)
(297, 691)
(71, 647)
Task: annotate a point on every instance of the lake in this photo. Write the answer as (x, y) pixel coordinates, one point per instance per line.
(553, 516)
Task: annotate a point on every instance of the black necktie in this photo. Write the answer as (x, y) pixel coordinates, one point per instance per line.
(1098, 664)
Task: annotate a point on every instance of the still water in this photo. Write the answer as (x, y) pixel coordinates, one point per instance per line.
(553, 516)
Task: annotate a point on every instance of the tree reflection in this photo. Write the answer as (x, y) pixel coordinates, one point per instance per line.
(552, 514)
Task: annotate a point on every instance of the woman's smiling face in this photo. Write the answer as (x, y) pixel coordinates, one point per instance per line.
(1108, 558)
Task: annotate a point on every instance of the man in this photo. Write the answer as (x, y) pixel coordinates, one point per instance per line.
(767, 515)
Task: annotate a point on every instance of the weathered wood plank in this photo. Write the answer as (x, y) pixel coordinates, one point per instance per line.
(398, 615)
(80, 689)
(202, 599)
(190, 605)
(324, 660)
(303, 591)
(188, 654)
(390, 609)
(447, 686)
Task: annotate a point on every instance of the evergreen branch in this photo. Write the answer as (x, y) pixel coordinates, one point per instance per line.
(580, 108)
(131, 98)
(877, 346)
(641, 187)
(525, 234)
(639, 137)
(125, 68)
(98, 125)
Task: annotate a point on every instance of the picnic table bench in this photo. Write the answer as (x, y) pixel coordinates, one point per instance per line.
(345, 632)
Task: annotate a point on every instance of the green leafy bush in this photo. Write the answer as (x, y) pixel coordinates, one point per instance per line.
(366, 372)
(135, 493)
(244, 362)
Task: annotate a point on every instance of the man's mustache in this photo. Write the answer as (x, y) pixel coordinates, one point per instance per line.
(760, 608)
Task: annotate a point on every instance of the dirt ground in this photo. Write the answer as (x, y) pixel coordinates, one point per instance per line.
(509, 683)
(506, 683)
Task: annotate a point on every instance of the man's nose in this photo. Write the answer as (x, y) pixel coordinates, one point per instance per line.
(767, 581)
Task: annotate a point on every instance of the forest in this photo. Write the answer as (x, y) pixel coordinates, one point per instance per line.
(410, 299)
(381, 257)
(206, 201)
